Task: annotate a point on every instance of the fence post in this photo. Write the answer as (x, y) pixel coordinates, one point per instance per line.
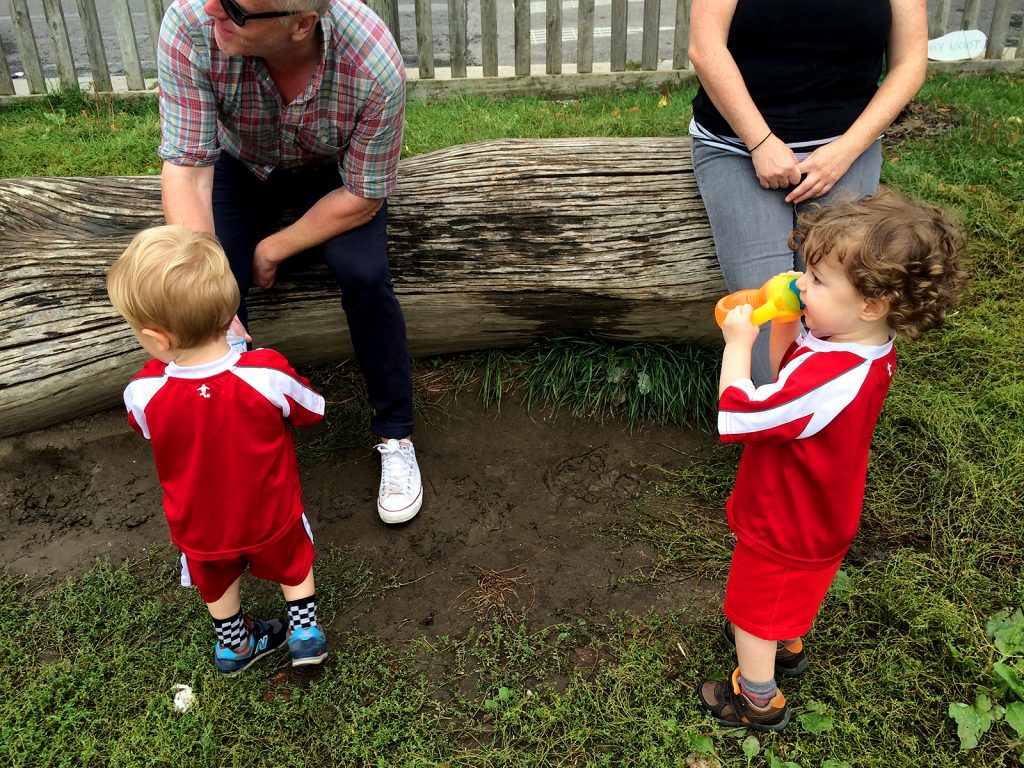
(522, 34)
(585, 37)
(553, 37)
(618, 43)
(6, 83)
(457, 36)
(129, 46)
(61, 44)
(939, 19)
(154, 17)
(489, 37)
(681, 41)
(94, 46)
(649, 46)
(27, 46)
(425, 39)
(971, 13)
(997, 32)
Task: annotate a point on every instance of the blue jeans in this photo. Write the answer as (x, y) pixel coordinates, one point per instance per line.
(751, 225)
(246, 210)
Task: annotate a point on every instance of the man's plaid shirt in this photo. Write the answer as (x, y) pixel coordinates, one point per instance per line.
(352, 110)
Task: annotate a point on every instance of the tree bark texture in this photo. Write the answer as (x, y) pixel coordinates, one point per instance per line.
(492, 244)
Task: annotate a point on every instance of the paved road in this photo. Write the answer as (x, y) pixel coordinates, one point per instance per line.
(407, 28)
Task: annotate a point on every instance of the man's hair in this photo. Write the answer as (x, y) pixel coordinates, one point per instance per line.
(319, 7)
(892, 248)
(175, 280)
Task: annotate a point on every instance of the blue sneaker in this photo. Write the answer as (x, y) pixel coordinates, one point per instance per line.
(265, 637)
(308, 645)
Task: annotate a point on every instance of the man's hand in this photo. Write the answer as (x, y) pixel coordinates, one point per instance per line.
(264, 264)
(238, 329)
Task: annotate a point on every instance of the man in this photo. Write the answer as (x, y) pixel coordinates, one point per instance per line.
(297, 105)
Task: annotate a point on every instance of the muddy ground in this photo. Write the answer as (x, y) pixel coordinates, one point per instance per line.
(514, 500)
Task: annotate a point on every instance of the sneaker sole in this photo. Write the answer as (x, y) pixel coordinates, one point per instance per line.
(309, 661)
(774, 727)
(252, 661)
(401, 515)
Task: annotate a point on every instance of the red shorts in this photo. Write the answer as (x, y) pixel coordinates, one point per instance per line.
(287, 561)
(772, 601)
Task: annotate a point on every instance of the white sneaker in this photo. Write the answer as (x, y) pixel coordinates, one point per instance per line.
(401, 492)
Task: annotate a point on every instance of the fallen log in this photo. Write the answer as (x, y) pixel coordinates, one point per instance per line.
(492, 244)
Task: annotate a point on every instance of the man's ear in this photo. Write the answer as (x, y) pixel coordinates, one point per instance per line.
(875, 309)
(164, 341)
(305, 25)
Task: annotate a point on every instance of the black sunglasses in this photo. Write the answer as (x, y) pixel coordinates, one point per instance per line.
(239, 15)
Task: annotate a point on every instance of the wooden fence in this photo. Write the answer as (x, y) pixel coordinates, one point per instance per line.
(500, 51)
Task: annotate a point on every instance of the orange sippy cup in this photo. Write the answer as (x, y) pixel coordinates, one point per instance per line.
(777, 299)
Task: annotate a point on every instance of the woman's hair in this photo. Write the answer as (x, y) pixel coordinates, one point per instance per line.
(175, 280)
(892, 248)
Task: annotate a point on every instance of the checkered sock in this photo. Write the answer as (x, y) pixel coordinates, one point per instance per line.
(760, 694)
(232, 633)
(301, 613)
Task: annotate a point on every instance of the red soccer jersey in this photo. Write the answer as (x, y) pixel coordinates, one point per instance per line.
(223, 447)
(800, 485)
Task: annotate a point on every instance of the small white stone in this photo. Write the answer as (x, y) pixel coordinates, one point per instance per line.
(183, 697)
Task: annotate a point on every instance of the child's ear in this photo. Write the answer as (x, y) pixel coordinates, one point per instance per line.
(164, 341)
(875, 309)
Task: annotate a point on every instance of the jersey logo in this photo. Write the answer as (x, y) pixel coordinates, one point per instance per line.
(204, 391)
(888, 367)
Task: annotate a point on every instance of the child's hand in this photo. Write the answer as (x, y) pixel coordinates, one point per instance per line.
(737, 328)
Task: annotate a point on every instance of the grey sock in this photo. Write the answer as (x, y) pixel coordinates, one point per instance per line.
(760, 694)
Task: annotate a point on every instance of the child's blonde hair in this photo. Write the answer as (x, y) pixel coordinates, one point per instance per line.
(175, 280)
(892, 248)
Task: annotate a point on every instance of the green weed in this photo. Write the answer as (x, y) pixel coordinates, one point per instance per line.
(593, 378)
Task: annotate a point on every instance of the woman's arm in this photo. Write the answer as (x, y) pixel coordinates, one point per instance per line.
(774, 162)
(907, 64)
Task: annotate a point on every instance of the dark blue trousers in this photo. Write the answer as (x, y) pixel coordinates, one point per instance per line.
(246, 210)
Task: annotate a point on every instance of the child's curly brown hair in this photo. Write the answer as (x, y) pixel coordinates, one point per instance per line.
(893, 248)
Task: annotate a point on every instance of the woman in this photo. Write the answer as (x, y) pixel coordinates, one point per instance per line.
(790, 110)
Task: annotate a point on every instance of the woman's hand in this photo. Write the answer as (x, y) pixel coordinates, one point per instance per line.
(822, 169)
(775, 164)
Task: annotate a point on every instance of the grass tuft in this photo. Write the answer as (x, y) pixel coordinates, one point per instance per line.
(593, 378)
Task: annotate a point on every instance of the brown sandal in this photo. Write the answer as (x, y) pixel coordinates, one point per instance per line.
(734, 710)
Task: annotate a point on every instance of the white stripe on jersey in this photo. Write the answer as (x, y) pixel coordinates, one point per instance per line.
(137, 395)
(822, 404)
(274, 385)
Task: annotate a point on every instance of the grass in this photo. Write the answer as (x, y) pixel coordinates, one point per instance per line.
(941, 546)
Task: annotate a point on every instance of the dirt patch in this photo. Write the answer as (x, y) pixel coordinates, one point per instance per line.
(921, 121)
(514, 525)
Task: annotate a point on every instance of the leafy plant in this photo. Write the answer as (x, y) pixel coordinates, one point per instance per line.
(814, 720)
(1004, 700)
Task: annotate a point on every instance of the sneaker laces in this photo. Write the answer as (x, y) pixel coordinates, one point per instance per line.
(397, 467)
